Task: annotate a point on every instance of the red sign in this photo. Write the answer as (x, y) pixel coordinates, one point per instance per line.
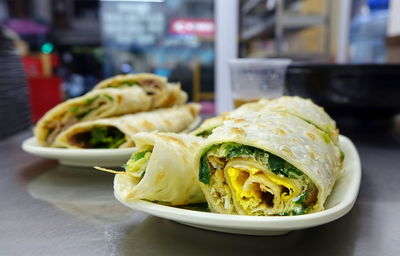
(199, 27)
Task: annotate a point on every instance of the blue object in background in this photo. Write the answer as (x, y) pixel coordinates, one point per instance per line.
(368, 32)
(378, 4)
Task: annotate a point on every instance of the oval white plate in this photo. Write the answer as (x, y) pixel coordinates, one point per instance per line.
(338, 204)
(80, 157)
(87, 157)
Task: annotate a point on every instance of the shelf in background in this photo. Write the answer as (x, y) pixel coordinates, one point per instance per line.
(249, 6)
(302, 21)
(296, 56)
(267, 26)
(289, 21)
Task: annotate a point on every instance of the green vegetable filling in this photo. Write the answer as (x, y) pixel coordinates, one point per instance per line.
(74, 109)
(276, 164)
(281, 167)
(342, 154)
(137, 164)
(106, 137)
(232, 150)
(205, 133)
(205, 172)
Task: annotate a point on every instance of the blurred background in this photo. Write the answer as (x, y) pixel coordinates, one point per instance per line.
(52, 50)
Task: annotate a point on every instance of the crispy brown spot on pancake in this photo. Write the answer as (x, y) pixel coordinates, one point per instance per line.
(237, 131)
(280, 131)
(313, 155)
(312, 136)
(133, 129)
(159, 177)
(171, 99)
(173, 139)
(167, 122)
(239, 120)
(193, 110)
(148, 125)
(285, 150)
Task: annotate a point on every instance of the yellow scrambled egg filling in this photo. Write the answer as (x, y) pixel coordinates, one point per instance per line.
(252, 196)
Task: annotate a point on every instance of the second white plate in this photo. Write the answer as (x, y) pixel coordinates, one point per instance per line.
(338, 204)
(80, 157)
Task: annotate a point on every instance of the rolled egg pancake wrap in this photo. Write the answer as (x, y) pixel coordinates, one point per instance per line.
(93, 105)
(118, 132)
(267, 164)
(163, 94)
(161, 170)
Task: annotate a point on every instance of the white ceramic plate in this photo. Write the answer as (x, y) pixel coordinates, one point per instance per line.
(338, 204)
(80, 157)
(87, 157)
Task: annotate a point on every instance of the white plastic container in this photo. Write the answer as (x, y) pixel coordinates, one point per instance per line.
(253, 79)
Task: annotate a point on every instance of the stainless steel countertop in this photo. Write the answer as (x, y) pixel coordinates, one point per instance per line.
(49, 209)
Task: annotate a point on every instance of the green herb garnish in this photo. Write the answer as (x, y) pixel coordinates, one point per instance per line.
(129, 84)
(205, 133)
(89, 101)
(74, 109)
(299, 210)
(139, 155)
(301, 199)
(281, 167)
(205, 172)
(83, 114)
(232, 150)
(108, 97)
(325, 137)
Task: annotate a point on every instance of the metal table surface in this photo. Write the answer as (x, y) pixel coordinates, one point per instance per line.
(49, 209)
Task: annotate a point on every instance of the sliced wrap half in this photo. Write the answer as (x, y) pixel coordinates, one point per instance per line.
(161, 170)
(163, 94)
(269, 163)
(93, 105)
(118, 132)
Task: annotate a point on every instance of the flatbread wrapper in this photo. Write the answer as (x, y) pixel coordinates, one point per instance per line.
(300, 107)
(175, 119)
(163, 94)
(162, 170)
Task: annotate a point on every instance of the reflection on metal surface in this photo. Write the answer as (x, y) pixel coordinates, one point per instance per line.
(36, 169)
(156, 236)
(82, 192)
